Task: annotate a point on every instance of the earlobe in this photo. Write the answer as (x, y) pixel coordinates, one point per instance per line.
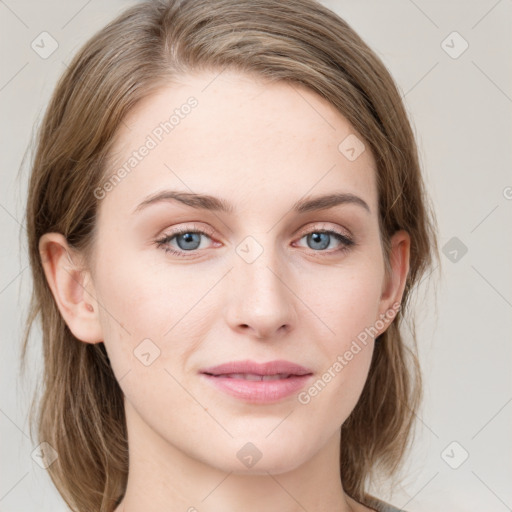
(71, 287)
(396, 278)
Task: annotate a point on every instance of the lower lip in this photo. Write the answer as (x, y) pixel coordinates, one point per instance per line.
(259, 391)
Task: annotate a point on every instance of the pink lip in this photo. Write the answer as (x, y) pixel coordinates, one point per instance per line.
(255, 391)
(247, 366)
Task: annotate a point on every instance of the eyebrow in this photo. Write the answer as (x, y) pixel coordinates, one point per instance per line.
(208, 202)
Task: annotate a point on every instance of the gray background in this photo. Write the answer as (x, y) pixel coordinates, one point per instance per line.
(461, 106)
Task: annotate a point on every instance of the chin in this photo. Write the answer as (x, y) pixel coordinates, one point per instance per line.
(261, 456)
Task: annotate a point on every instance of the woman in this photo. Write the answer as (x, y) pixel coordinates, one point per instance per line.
(226, 218)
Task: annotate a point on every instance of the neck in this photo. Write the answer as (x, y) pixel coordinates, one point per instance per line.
(162, 477)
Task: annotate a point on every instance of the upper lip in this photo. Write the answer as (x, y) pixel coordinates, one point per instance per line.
(252, 367)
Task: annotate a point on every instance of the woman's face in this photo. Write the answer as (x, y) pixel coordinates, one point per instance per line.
(260, 282)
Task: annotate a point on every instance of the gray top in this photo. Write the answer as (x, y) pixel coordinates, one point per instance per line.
(381, 506)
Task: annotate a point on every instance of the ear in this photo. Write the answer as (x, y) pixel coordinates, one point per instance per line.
(71, 287)
(396, 276)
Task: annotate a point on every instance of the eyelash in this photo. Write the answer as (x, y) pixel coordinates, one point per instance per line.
(163, 242)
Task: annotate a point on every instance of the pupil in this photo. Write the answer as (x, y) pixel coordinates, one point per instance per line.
(189, 238)
(317, 238)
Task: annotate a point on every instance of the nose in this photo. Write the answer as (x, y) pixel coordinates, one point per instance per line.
(261, 302)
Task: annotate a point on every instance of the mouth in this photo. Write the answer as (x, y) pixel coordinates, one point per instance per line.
(253, 376)
(279, 368)
(258, 382)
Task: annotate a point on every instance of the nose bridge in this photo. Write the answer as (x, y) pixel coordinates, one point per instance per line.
(261, 299)
(258, 267)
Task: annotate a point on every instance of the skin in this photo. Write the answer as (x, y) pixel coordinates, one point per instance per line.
(260, 147)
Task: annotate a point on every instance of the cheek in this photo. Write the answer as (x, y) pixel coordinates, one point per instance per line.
(346, 302)
(143, 307)
(345, 298)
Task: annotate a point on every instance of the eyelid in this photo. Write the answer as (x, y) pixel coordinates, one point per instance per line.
(188, 228)
(346, 239)
(162, 241)
(207, 230)
(323, 227)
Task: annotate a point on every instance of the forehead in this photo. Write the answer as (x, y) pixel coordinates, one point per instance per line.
(237, 136)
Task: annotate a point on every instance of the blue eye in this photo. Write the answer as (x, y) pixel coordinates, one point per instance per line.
(186, 240)
(189, 240)
(320, 240)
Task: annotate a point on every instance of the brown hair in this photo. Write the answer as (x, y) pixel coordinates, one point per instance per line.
(81, 412)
